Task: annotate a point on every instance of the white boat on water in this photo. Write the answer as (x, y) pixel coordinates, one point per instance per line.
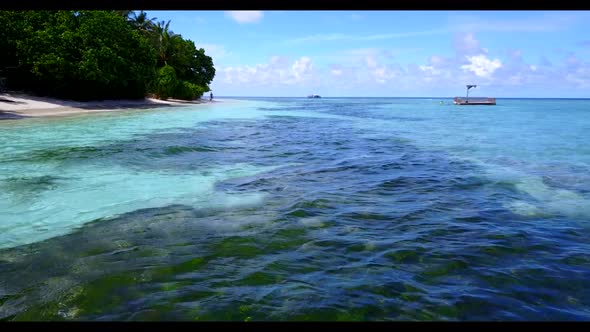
(314, 96)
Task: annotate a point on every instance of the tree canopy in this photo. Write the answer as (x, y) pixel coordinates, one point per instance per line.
(87, 55)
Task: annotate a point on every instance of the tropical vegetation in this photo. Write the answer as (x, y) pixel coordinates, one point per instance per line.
(89, 55)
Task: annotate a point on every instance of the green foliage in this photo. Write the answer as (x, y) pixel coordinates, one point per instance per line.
(192, 64)
(99, 55)
(82, 55)
(161, 41)
(166, 82)
(141, 22)
(194, 69)
(189, 91)
(12, 24)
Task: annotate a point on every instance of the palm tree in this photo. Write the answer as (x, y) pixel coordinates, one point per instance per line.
(124, 13)
(142, 22)
(163, 40)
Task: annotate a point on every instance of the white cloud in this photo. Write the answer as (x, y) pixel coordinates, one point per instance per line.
(373, 71)
(245, 16)
(336, 72)
(481, 65)
(215, 51)
(429, 70)
(383, 74)
(576, 72)
(371, 61)
(301, 67)
(436, 60)
(358, 56)
(377, 72)
(465, 43)
(278, 71)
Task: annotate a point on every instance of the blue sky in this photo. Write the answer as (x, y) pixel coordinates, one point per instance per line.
(392, 53)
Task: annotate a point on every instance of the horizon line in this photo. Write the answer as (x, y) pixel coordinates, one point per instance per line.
(429, 97)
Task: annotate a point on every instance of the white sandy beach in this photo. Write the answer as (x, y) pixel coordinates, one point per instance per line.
(18, 106)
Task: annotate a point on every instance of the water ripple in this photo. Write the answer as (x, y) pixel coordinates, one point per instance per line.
(291, 209)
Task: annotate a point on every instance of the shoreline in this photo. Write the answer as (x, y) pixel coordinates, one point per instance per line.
(15, 106)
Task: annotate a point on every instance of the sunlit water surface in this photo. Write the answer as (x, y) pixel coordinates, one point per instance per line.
(299, 209)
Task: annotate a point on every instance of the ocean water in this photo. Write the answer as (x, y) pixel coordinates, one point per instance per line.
(299, 209)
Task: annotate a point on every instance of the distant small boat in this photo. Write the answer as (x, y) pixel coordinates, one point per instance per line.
(314, 96)
(474, 100)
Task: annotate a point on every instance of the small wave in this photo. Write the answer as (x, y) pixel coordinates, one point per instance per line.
(173, 150)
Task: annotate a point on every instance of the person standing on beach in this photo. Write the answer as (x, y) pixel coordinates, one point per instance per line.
(211, 96)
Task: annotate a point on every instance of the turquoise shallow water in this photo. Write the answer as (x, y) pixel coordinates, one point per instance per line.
(298, 209)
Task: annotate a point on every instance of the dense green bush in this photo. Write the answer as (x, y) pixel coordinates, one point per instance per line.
(186, 90)
(87, 55)
(81, 55)
(192, 65)
(166, 82)
(189, 91)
